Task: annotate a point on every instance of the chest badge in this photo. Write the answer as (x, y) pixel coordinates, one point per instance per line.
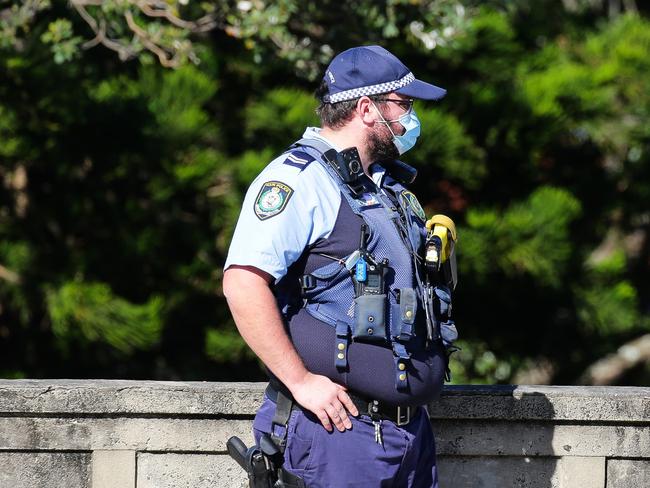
(272, 199)
(412, 201)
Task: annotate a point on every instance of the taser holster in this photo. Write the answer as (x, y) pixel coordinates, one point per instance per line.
(440, 259)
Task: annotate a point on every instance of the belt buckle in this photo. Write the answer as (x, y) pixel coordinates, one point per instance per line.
(406, 417)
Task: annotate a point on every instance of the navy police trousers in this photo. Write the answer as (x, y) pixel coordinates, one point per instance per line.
(353, 458)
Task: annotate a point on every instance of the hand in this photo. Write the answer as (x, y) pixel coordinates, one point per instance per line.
(326, 399)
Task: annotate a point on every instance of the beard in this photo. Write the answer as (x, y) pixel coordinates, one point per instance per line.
(380, 146)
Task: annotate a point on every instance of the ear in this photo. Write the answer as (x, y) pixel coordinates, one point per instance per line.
(366, 111)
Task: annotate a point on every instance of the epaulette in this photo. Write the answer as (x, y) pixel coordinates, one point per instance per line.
(299, 159)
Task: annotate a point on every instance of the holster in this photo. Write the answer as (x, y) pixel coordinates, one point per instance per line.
(263, 464)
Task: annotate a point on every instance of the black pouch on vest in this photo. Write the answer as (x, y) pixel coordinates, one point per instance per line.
(370, 318)
(408, 304)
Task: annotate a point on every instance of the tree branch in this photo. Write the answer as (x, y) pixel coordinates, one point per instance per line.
(168, 55)
(100, 31)
(8, 275)
(611, 368)
(161, 9)
(163, 56)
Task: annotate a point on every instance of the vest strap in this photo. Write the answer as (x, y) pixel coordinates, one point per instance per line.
(402, 359)
(342, 342)
(284, 403)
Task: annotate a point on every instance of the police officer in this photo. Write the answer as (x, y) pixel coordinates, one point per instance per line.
(323, 280)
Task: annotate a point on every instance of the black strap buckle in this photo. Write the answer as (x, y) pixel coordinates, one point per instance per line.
(307, 282)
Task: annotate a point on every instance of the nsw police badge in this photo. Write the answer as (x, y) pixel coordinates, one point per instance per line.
(412, 201)
(272, 199)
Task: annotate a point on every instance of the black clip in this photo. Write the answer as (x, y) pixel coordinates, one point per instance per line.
(307, 282)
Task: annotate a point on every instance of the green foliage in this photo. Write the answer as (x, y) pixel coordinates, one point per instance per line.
(121, 182)
(529, 237)
(16, 20)
(280, 116)
(475, 363)
(446, 146)
(176, 99)
(608, 304)
(65, 45)
(90, 312)
(226, 346)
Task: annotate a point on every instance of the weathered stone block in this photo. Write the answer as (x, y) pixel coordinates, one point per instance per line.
(44, 470)
(478, 437)
(581, 403)
(580, 472)
(521, 472)
(189, 471)
(127, 396)
(141, 434)
(113, 469)
(491, 472)
(628, 473)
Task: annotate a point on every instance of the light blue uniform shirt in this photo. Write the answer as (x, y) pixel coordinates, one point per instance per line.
(308, 205)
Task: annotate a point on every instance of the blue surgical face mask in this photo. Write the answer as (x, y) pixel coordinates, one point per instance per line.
(411, 124)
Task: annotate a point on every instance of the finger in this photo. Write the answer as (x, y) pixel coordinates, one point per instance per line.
(344, 398)
(343, 413)
(324, 419)
(333, 413)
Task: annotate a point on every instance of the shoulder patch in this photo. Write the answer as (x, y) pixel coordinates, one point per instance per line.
(299, 159)
(272, 199)
(412, 201)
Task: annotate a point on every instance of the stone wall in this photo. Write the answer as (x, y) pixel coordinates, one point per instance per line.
(128, 434)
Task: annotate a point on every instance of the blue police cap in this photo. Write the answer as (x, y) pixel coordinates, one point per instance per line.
(371, 70)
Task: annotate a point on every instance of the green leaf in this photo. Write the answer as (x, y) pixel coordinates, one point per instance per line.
(90, 312)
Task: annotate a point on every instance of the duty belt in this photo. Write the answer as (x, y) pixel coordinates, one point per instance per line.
(375, 409)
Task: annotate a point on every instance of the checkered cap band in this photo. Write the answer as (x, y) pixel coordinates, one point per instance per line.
(372, 89)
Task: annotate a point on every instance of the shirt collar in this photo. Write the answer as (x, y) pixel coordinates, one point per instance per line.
(314, 133)
(377, 173)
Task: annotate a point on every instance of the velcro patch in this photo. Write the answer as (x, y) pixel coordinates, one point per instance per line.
(299, 159)
(272, 199)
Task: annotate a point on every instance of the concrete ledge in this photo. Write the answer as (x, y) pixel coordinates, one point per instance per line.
(117, 397)
(621, 404)
(174, 398)
(146, 434)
